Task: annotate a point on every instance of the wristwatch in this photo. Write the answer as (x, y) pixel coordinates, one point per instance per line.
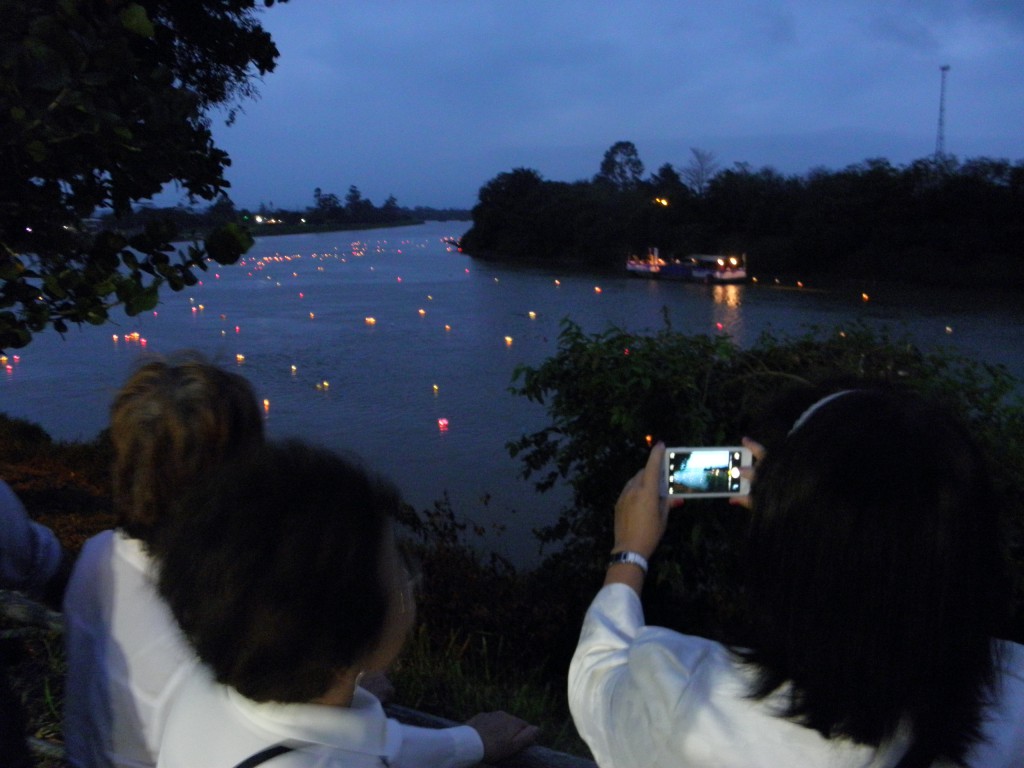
(633, 558)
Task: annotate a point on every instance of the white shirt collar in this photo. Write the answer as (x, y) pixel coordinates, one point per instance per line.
(361, 728)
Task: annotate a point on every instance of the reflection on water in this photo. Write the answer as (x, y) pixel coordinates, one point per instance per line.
(727, 303)
(389, 344)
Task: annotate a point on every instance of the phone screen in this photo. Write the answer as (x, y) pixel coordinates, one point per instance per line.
(706, 471)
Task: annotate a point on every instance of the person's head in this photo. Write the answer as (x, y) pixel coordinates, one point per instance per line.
(170, 424)
(285, 573)
(876, 574)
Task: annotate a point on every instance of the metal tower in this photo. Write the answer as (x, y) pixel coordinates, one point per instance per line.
(940, 138)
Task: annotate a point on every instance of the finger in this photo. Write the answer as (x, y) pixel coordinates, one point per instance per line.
(756, 449)
(525, 737)
(652, 470)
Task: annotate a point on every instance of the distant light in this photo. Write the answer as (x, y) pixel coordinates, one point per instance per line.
(311, 316)
(865, 297)
(949, 329)
(442, 424)
(508, 341)
(447, 327)
(532, 315)
(435, 389)
(371, 320)
(294, 369)
(597, 289)
(558, 282)
(266, 406)
(239, 359)
(422, 312)
(648, 439)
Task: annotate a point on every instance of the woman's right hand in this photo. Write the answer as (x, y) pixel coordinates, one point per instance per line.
(641, 513)
(502, 734)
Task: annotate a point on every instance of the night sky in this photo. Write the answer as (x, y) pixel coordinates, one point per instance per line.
(428, 100)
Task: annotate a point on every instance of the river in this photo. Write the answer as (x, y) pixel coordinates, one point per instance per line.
(389, 344)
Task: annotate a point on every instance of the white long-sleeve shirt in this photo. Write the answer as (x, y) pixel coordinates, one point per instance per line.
(648, 696)
(126, 656)
(213, 726)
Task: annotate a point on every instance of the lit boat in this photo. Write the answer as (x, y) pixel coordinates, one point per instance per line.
(697, 267)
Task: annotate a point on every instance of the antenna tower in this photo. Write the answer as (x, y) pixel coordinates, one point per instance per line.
(940, 138)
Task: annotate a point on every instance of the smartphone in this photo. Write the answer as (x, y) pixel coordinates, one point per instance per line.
(707, 472)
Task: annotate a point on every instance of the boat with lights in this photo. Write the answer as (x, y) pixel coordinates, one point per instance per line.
(697, 267)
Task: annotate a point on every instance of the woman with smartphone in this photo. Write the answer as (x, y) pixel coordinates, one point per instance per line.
(875, 585)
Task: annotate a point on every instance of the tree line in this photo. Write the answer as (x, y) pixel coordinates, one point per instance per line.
(935, 220)
(327, 212)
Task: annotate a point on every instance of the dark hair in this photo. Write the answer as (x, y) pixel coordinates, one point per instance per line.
(876, 576)
(276, 573)
(170, 424)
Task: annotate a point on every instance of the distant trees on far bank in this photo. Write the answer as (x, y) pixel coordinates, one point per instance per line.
(936, 220)
(327, 212)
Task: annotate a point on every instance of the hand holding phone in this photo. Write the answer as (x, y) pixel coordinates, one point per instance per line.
(706, 472)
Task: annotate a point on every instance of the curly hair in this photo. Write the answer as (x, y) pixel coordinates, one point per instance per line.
(277, 574)
(170, 424)
(876, 576)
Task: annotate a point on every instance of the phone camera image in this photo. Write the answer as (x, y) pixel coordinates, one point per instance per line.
(696, 472)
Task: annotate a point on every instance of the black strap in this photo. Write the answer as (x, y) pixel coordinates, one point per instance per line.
(264, 754)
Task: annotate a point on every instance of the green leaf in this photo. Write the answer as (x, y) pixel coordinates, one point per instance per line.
(136, 20)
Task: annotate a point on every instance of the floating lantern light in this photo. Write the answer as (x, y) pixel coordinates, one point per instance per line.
(294, 369)
(447, 327)
(435, 389)
(533, 315)
(648, 439)
(597, 289)
(4, 359)
(422, 312)
(239, 359)
(371, 320)
(865, 297)
(442, 424)
(266, 406)
(558, 282)
(508, 341)
(311, 316)
(949, 329)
